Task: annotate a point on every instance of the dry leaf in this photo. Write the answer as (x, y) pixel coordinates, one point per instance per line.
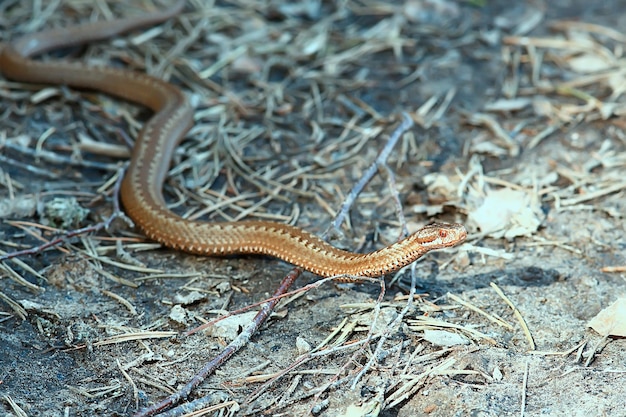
(230, 327)
(445, 338)
(507, 212)
(612, 320)
(589, 63)
(178, 314)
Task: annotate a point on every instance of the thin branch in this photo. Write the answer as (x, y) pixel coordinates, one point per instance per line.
(406, 124)
(240, 341)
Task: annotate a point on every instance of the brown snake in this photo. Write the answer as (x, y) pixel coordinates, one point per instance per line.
(141, 190)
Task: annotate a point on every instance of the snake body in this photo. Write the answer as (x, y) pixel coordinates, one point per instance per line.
(141, 190)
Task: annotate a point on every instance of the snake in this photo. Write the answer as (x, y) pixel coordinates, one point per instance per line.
(141, 190)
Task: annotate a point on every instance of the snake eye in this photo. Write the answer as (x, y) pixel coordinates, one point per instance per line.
(443, 234)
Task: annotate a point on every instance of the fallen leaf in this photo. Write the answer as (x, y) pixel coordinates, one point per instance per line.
(611, 321)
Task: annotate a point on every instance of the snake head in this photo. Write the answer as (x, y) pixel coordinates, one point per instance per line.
(439, 235)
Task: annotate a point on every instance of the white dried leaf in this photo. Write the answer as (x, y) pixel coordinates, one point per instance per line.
(315, 44)
(612, 320)
(230, 327)
(178, 314)
(497, 374)
(19, 207)
(507, 213)
(589, 63)
(440, 185)
(245, 64)
(543, 107)
(31, 305)
(302, 346)
(445, 338)
(383, 319)
(506, 105)
(488, 148)
(190, 298)
(617, 83)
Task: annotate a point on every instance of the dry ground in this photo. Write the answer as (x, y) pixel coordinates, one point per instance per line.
(518, 113)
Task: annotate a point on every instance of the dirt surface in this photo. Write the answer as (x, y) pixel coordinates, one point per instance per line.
(518, 134)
